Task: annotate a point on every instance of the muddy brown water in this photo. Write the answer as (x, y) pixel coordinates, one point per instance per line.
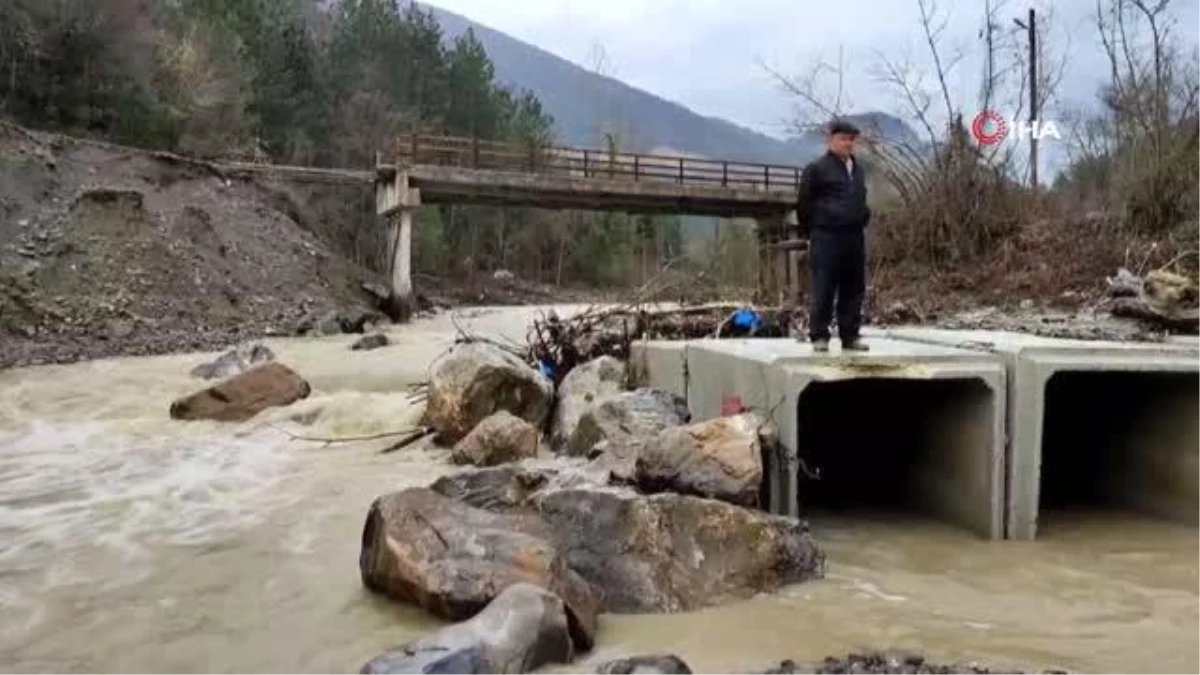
(129, 542)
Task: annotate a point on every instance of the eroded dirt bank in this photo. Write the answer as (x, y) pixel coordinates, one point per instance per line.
(113, 251)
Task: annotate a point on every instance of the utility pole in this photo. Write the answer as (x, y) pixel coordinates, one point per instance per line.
(1031, 27)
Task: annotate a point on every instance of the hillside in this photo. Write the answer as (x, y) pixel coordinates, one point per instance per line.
(579, 100)
(111, 250)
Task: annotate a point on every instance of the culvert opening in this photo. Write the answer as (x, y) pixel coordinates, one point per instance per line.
(890, 444)
(1121, 439)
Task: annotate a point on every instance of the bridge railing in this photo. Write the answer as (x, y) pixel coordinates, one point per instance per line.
(594, 164)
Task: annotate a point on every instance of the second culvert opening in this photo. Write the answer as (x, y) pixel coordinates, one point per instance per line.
(892, 444)
(1121, 439)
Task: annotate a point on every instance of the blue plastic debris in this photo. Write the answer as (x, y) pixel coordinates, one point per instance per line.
(746, 319)
(547, 368)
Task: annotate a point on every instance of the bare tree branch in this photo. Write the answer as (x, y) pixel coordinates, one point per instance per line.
(932, 34)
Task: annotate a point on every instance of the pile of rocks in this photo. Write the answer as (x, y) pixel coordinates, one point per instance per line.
(624, 506)
(874, 663)
(642, 512)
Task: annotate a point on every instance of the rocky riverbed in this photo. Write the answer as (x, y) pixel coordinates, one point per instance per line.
(137, 542)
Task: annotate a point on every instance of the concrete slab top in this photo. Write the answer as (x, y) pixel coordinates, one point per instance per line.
(883, 351)
(1014, 343)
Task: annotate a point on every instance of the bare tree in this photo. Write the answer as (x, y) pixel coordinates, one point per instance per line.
(1150, 135)
(955, 196)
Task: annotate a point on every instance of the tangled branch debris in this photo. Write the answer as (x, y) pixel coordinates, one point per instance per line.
(1163, 299)
(557, 345)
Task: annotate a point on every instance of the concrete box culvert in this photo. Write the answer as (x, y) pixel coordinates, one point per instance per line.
(660, 364)
(905, 426)
(1092, 424)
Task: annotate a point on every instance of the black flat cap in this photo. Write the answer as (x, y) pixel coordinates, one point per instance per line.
(840, 126)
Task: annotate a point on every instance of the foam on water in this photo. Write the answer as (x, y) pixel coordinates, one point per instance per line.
(112, 491)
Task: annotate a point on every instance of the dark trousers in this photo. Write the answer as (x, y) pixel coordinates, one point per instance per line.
(838, 262)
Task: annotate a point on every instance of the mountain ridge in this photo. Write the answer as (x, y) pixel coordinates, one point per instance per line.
(583, 103)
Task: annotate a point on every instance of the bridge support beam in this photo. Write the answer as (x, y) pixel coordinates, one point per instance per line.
(400, 203)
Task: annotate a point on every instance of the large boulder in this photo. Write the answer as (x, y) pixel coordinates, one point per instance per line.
(583, 386)
(475, 380)
(719, 458)
(660, 664)
(672, 553)
(234, 361)
(243, 396)
(500, 438)
(631, 418)
(524, 628)
(453, 559)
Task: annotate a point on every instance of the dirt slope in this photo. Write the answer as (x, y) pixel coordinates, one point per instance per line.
(107, 250)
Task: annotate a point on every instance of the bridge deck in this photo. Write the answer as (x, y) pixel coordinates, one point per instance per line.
(457, 170)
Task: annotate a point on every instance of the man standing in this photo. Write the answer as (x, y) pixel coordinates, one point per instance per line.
(832, 206)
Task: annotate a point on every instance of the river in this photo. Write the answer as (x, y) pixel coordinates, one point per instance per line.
(130, 542)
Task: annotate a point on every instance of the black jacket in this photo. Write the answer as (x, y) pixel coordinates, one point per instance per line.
(830, 200)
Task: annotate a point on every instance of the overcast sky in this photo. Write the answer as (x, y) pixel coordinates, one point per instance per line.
(704, 53)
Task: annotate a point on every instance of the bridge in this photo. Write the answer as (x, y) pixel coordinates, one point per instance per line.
(440, 169)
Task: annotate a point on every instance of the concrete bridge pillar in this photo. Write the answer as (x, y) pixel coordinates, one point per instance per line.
(400, 203)
(777, 267)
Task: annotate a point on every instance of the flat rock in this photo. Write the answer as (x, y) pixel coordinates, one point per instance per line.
(500, 438)
(582, 387)
(477, 379)
(661, 664)
(243, 396)
(500, 489)
(629, 418)
(523, 629)
(453, 559)
(369, 342)
(234, 361)
(719, 458)
(674, 553)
